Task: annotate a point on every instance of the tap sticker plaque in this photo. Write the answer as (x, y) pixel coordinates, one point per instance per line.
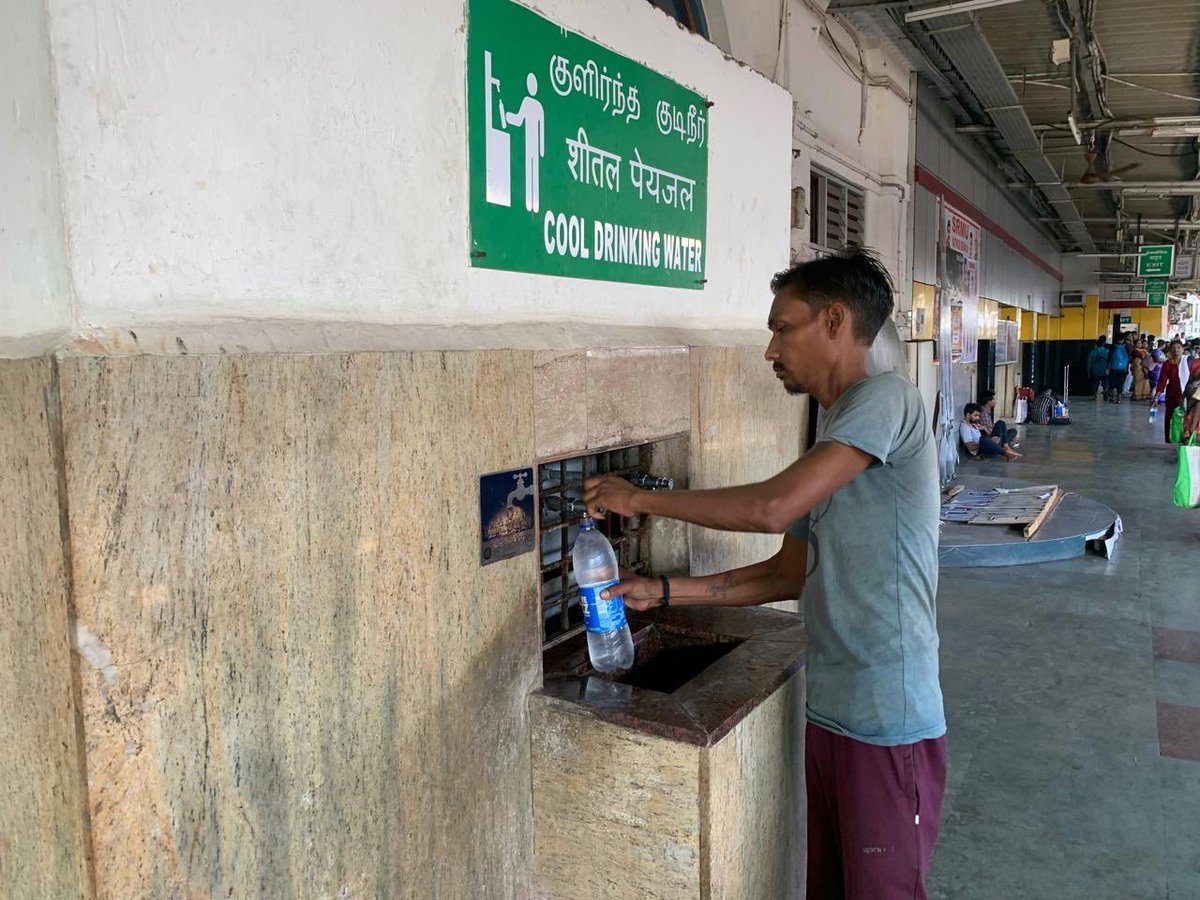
(507, 525)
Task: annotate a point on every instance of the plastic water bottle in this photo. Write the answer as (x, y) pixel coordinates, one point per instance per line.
(1153, 412)
(610, 645)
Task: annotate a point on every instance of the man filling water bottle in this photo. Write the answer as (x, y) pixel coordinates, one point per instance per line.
(859, 515)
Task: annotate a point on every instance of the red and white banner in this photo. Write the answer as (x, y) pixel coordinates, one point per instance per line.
(961, 246)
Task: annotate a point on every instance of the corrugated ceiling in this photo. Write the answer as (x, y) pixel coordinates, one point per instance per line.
(1154, 45)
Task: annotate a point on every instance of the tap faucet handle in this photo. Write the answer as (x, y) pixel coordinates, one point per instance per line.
(561, 503)
(652, 482)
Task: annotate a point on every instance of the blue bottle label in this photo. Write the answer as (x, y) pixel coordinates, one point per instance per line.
(601, 616)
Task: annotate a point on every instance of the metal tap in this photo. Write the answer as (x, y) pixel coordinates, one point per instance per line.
(652, 482)
(565, 505)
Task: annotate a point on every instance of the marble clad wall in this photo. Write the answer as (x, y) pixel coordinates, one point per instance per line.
(295, 678)
(627, 815)
(745, 428)
(314, 690)
(592, 399)
(602, 786)
(755, 814)
(43, 844)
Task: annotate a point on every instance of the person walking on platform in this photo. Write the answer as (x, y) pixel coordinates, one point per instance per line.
(1171, 381)
(1142, 364)
(1118, 370)
(859, 514)
(1097, 365)
(1191, 405)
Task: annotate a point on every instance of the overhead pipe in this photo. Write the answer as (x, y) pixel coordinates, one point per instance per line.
(1152, 188)
(1101, 125)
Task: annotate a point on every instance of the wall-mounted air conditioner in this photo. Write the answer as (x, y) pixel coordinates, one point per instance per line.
(1071, 298)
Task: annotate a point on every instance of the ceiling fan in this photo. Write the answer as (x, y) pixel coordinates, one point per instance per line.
(1091, 176)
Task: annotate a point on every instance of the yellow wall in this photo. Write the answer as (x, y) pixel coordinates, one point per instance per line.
(1072, 324)
(1086, 323)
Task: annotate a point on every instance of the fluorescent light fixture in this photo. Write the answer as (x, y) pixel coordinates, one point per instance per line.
(1175, 131)
(946, 9)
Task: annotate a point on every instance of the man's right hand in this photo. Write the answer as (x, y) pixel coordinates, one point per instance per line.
(640, 593)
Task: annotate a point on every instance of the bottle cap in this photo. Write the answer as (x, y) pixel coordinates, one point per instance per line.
(588, 523)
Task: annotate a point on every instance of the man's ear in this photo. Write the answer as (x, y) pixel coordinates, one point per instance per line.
(836, 319)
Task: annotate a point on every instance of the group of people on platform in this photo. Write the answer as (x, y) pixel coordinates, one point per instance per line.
(1145, 369)
(1140, 367)
(982, 436)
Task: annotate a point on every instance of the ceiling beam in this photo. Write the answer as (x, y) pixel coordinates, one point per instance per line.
(1083, 57)
(1131, 187)
(922, 13)
(1185, 126)
(861, 5)
(1154, 188)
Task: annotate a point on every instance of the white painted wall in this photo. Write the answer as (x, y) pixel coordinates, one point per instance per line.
(869, 149)
(1080, 274)
(1006, 276)
(305, 161)
(35, 305)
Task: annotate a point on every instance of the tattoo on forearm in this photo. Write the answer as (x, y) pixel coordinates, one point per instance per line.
(720, 590)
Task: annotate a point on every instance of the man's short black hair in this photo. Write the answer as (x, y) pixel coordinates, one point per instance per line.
(1103, 339)
(986, 396)
(1046, 389)
(854, 277)
(971, 408)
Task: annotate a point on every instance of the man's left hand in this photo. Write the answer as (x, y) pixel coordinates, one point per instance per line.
(606, 494)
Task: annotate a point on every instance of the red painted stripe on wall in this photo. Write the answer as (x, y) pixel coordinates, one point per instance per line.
(935, 185)
(1122, 304)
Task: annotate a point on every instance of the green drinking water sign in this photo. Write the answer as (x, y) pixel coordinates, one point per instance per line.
(583, 162)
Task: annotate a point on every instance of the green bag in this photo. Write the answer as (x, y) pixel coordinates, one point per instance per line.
(1187, 476)
(1175, 435)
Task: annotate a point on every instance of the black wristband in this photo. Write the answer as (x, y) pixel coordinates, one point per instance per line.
(666, 597)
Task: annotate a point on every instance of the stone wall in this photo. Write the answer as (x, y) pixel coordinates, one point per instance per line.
(296, 679)
(43, 843)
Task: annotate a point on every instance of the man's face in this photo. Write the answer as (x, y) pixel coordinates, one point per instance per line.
(974, 416)
(1175, 353)
(797, 350)
(990, 404)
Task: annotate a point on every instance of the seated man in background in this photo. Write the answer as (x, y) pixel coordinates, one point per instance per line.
(981, 445)
(1041, 410)
(1006, 435)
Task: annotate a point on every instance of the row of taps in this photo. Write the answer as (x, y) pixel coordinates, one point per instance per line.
(569, 505)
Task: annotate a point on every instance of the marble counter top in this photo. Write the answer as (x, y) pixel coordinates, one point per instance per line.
(763, 649)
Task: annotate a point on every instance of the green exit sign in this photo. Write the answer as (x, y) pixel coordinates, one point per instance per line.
(1158, 260)
(1156, 299)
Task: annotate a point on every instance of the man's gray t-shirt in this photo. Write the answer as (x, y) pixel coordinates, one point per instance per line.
(872, 573)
